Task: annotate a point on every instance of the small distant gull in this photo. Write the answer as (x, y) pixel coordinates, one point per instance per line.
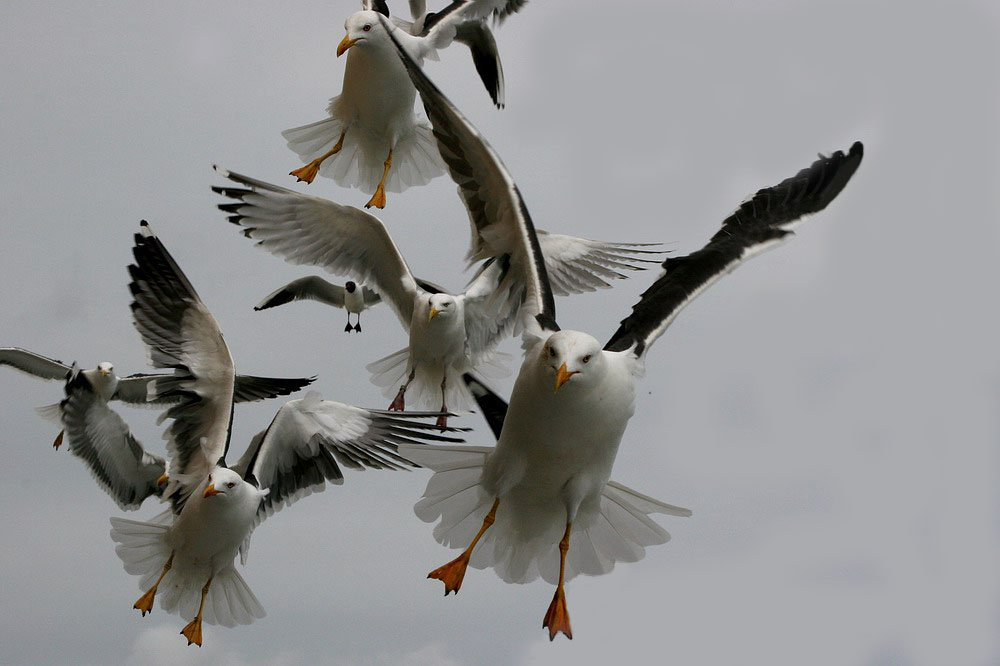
(351, 297)
(372, 138)
(448, 334)
(137, 389)
(573, 398)
(187, 554)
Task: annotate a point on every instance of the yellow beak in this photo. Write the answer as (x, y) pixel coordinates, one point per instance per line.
(345, 44)
(162, 480)
(434, 313)
(562, 376)
(211, 490)
(103, 373)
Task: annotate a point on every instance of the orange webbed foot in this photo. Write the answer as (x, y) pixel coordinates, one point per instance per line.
(557, 616)
(306, 174)
(58, 441)
(378, 199)
(145, 603)
(452, 574)
(192, 632)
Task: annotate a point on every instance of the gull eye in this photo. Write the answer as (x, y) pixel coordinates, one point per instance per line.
(368, 26)
(586, 359)
(231, 484)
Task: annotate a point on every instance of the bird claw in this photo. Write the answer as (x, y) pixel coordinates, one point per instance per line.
(306, 174)
(398, 403)
(557, 616)
(378, 199)
(58, 441)
(357, 327)
(452, 574)
(348, 328)
(442, 422)
(192, 632)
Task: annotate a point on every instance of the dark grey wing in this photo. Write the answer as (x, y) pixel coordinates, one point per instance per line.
(310, 439)
(99, 437)
(181, 334)
(492, 406)
(252, 389)
(500, 221)
(32, 363)
(375, 6)
(479, 38)
(310, 288)
(760, 222)
(370, 297)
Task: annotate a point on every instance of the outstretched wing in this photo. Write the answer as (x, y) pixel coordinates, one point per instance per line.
(577, 265)
(310, 439)
(308, 230)
(99, 437)
(760, 222)
(492, 406)
(310, 288)
(136, 389)
(500, 221)
(182, 334)
(32, 363)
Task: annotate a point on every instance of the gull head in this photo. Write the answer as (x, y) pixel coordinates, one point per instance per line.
(105, 369)
(350, 287)
(441, 306)
(571, 358)
(224, 484)
(363, 28)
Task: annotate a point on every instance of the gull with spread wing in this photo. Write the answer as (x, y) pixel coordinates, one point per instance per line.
(448, 334)
(549, 474)
(351, 297)
(138, 389)
(372, 138)
(187, 555)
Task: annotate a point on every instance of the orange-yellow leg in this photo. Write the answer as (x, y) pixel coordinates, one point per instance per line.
(308, 172)
(192, 631)
(557, 616)
(452, 573)
(145, 603)
(378, 199)
(58, 441)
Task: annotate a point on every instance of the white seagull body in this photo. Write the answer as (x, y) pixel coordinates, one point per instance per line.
(573, 398)
(448, 334)
(188, 554)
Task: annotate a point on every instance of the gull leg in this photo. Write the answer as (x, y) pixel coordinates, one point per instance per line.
(557, 616)
(348, 328)
(308, 172)
(452, 573)
(399, 403)
(192, 632)
(145, 603)
(378, 199)
(58, 441)
(357, 327)
(442, 421)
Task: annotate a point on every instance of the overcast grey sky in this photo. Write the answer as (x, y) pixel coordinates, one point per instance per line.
(828, 411)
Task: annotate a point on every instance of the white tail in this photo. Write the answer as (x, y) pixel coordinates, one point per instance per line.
(144, 550)
(523, 543)
(360, 162)
(424, 392)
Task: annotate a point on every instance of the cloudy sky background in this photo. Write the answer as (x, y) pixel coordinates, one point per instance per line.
(828, 412)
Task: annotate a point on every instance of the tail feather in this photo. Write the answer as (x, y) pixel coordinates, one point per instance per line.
(523, 543)
(424, 392)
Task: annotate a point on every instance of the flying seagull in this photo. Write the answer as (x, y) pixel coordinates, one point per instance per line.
(573, 397)
(351, 297)
(448, 334)
(137, 389)
(187, 555)
(372, 138)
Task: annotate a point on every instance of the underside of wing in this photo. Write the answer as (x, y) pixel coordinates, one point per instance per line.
(578, 265)
(32, 363)
(308, 230)
(181, 334)
(760, 222)
(309, 440)
(251, 389)
(100, 438)
(500, 221)
(310, 288)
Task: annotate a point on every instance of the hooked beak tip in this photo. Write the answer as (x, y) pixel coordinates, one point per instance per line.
(562, 376)
(434, 313)
(345, 44)
(210, 490)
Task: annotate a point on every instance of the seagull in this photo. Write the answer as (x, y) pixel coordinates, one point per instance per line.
(349, 297)
(137, 389)
(378, 142)
(448, 334)
(187, 554)
(573, 397)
